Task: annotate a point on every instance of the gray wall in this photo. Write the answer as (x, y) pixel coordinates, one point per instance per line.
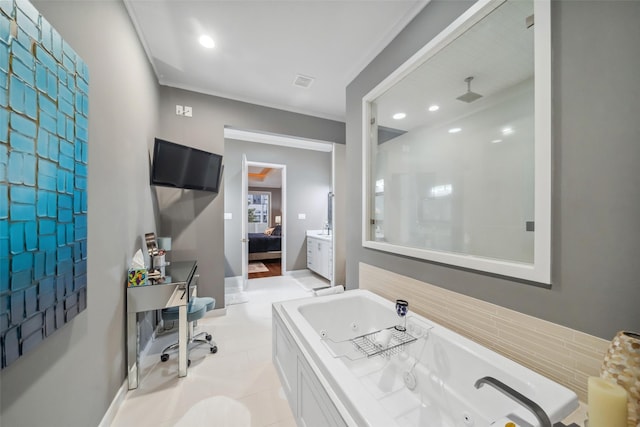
(596, 202)
(307, 185)
(72, 377)
(194, 219)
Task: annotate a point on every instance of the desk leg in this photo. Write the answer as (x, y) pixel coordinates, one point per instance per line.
(133, 353)
(182, 341)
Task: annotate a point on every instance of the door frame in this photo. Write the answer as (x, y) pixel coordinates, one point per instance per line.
(231, 132)
(245, 214)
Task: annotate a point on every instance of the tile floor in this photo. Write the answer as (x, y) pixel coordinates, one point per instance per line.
(237, 386)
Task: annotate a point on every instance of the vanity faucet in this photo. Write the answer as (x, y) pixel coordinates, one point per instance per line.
(327, 228)
(532, 406)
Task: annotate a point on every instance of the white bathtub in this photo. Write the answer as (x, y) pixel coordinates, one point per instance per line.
(429, 382)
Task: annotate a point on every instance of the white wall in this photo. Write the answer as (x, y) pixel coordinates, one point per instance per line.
(72, 377)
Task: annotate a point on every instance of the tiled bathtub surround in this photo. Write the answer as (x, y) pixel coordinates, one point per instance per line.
(562, 354)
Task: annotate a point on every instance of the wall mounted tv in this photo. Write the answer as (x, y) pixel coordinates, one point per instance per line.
(179, 166)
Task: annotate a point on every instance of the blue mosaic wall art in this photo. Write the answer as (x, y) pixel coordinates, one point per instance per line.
(44, 103)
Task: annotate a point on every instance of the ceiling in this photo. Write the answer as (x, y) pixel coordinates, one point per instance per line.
(265, 177)
(262, 45)
(498, 52)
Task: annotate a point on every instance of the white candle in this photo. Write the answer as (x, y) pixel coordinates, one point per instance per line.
(607, 403)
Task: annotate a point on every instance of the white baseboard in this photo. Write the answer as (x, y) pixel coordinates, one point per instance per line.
(299, 273)
(233, 284)
(110, 415)
(232, 281)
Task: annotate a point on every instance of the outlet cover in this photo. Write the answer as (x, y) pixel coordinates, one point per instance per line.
(179, 110)
(228, 215)
(302, 216)
(188, 112)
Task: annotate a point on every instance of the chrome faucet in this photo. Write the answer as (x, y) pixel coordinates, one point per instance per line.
(327, 228)
(532, 406)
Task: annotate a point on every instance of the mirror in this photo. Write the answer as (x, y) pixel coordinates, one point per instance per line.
(457, 146)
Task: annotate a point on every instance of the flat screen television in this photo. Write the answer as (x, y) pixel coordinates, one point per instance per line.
(179, 166)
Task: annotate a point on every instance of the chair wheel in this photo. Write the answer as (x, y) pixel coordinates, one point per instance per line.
(188, 362)
(214, 349)
(164, 357)
(208, 337)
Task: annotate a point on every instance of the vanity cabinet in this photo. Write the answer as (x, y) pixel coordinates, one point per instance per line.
(320, 256)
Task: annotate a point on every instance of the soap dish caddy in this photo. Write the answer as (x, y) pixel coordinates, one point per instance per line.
(367, 345)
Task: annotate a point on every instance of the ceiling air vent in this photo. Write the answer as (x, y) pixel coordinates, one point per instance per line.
(303, 81)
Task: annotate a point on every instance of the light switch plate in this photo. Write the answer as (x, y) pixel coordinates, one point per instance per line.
(188, 112)
(302, 216)
(228, 215)
(179, 110)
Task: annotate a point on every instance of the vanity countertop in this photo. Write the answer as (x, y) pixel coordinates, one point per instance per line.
(320, 234)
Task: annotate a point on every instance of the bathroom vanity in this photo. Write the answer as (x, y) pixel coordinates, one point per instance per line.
(320, 253)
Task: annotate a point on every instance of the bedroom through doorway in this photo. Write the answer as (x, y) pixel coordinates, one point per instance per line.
(265, 207)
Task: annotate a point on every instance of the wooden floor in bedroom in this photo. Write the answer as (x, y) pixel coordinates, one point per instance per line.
(274, 267)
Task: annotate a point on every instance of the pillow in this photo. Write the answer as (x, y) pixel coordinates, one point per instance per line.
(269, 231)
(277, 231)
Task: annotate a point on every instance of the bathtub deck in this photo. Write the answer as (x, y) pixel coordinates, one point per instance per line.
(430, 382)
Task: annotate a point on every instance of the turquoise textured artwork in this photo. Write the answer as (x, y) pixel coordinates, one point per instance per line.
(44, 103)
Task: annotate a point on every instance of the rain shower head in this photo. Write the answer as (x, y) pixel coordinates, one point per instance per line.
(469, 96)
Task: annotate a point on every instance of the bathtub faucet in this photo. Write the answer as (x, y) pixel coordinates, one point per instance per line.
(518, 397)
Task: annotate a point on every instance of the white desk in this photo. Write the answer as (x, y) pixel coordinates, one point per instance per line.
(176, 293)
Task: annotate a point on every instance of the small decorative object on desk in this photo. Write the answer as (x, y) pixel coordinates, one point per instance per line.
(155, 275)
(622, 366)
(402, 307)
(137, 277)
(159, 263)
(152, 246)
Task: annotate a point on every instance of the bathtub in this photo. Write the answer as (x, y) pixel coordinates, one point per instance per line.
(429, 380)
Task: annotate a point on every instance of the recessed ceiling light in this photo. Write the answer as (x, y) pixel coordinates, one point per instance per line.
(207, 41)
(507, 131)
(434, 107)
(455, 130)
(399, 116)
(495, 141)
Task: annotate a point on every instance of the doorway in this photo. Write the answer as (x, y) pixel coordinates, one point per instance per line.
(265, 187)
(305, 200)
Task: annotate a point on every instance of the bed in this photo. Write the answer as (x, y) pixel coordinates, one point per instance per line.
(265, 246)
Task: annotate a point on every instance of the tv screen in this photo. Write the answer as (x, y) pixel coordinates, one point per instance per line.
(179, 166)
